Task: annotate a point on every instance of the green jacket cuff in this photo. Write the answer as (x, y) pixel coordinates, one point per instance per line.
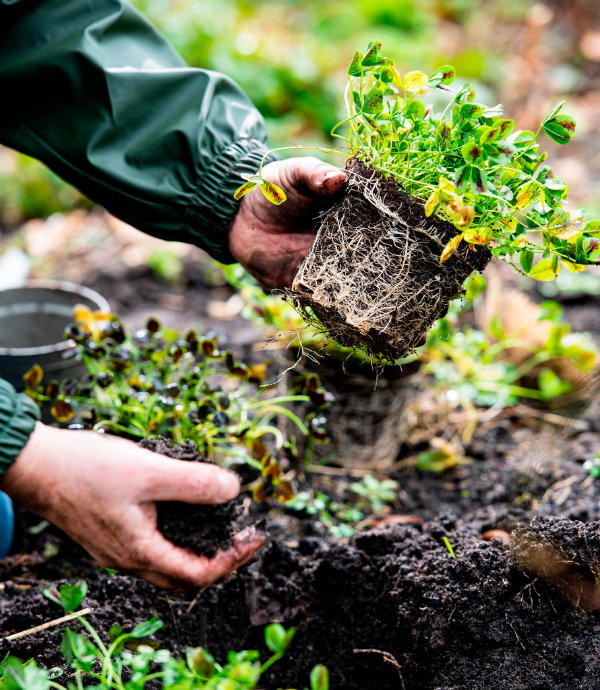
(18, 415)
(213, 207)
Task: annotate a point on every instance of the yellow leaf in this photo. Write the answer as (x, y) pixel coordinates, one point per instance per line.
(33, 377)
(573, 267)
(416, 82)
(528, 194)
(451, 247)
(432, 203)
(244, 189)
(272, 192)
(478, 236)
(544, 270)
(62, 411)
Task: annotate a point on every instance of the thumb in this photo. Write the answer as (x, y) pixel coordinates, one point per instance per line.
(315, 176)
(190, 482)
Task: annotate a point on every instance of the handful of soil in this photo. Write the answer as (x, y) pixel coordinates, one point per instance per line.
(202, 528)
(373, 276)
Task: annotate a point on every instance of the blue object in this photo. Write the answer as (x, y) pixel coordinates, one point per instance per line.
(7, 524)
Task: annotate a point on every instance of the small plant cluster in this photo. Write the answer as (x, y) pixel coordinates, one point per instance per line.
(474, 367)
(369, 496)
(159, 383)
(130, 660)
(469, 165)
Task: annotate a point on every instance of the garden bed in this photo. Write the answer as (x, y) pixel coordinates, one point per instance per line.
(422, 618)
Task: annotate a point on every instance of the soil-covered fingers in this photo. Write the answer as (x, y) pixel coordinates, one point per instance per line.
(171, 567)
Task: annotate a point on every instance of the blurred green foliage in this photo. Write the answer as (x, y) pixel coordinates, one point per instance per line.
(291, 56)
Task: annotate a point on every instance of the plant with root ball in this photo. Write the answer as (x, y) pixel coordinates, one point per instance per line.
(430, 198)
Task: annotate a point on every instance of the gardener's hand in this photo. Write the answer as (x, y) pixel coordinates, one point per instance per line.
(102, 490)
(272, 241)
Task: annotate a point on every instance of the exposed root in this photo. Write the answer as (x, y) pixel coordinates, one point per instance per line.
(373, 277)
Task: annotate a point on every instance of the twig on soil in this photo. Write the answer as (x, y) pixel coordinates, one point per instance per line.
(49, 624)
(388, 656)
(550, 417)
(337, 471)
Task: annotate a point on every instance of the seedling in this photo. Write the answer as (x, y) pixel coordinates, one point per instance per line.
(159, 383)
(375, 493)
(130, 661)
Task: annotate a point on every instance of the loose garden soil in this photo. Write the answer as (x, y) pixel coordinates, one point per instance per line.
(391, 608)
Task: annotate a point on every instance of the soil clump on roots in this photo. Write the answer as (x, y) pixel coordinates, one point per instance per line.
(373, 276)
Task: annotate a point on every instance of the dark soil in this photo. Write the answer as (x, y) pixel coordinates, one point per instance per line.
(373, 277)
(203, 529)
(493, 617)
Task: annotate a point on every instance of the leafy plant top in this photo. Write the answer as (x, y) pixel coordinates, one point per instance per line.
(469, 165)
(466, 163)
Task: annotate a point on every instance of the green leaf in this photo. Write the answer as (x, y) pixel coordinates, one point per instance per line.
(243, 189)
(526, 260)
(553, 112)
(272, 192)
(201, 661)
(355, 69)
(319, 678)
(357, 101)
(560, 129)
(414, 109)
(387, 75)
(373, 55)
(471, 110)
(277, 638)
(373, 101)
(445, 75)
(69, 596)
(551, 385)
(28, 676)
(471, 152)
(499, 130)
(146, 628)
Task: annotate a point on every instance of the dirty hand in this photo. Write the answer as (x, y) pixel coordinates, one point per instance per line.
(102, 490)
(272, 241)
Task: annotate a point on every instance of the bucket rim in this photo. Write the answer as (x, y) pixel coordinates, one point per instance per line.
(58, 286)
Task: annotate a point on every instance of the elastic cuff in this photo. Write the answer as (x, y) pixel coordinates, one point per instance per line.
(210, 215)
(18, 415)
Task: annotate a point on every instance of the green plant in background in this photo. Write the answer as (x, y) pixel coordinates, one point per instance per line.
(183, 387)
(374, 493)
(340, 518)
(129, 660)
(474, 367)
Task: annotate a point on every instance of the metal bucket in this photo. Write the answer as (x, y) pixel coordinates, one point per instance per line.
(32, 322)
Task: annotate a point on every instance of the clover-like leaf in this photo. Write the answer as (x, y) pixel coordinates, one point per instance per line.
(416, 82)
(444, 76)
(560, 128)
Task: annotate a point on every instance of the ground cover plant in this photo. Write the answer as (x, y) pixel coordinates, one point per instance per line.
(132, 660)
(430, 198)
(183, 387)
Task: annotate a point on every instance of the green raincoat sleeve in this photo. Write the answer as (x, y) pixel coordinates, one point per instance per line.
(92, 90)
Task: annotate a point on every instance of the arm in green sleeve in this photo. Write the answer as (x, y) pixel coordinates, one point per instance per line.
(93, 91)
(18, 415)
